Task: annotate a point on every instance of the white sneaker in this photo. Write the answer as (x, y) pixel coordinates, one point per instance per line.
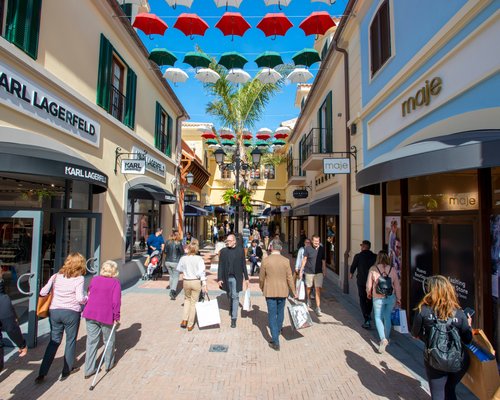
(383, 344)
(318, 312)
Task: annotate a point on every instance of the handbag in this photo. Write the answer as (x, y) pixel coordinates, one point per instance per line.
(43, 304)
(146, 262)
(207, 312)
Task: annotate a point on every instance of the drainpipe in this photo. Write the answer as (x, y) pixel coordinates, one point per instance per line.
(178, 151)
(345, 283)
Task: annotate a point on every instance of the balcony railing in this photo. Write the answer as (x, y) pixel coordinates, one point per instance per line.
(318, 141)
(117, 104)
(294, 169)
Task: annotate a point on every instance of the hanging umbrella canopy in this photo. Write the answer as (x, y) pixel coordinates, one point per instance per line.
(265, 130)
(227, 135)
(175, 75)
(299, 75)
(263, 135)
(175, 3)
(279, 143)
(317, 23)
(225, 129)
(274, 24)
(150, 24)
(329, 2)
(162, 57)
(208, 135)
(191, 24)
(197, 59)
(232, 59)
(278, 2)
(269, 75)
(237, 75)
(282, 132)
(246, 134)
(228, 3)
(207, 75)
(306, 57)
(262, 143)
(232, 23)
(228, 143)
(211, 142)
(247, 143)
(269, 59)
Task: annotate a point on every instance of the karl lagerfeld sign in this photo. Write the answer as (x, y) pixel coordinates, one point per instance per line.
(152, 164)
(136, 167)
(30, 98)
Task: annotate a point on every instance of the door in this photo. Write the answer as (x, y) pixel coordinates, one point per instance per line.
(20, 260)
(78, 232)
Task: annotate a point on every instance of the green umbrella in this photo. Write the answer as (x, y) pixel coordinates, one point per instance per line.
(162, 57)
(269, 59)
(279, 142)
(232, 59)
(306, 57)
(247, 143)
(227, 143)
(197, 59)
(212, 141)
(262, 143)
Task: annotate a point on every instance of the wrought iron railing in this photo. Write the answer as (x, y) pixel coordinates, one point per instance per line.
(117, 104)
(294, 168)
(318, 141)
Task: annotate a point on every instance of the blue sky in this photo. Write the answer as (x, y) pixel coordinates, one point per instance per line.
(192, 94)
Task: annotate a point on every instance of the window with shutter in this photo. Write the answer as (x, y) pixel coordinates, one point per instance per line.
(380, 38)
(22, 24)
(161, 129)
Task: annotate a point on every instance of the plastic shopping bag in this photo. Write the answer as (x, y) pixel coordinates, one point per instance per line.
(247, 304)
(299, 315)
(399, 321)
(301, 290)
(207, 312)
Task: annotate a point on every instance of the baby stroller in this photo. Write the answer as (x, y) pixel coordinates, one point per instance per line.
(154, 268)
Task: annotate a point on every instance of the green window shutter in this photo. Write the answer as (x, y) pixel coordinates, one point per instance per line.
(158, 135)
(127, 9)
(329, 123)
(104, 73)
(320, 125)
(33, 28)
(23, 25)
(130, 99)
(168, 147)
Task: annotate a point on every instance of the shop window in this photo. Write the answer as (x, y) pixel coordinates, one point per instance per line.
(380, 38)
(22, 24)
(325, 123)
(255, 173)
(393, 197)
(443, 192)
(163, 131)
(269, 171)
(116, 85)
(80, 196)
(225, 173)
(495, 187)
(143, 217)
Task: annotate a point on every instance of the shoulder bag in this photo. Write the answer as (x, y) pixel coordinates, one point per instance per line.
(43, 305)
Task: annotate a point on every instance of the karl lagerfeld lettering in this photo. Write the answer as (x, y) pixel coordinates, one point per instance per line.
(20, 92)
(86, 174)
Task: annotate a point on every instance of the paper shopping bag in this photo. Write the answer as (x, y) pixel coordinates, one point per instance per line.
(299, 315)
(399, 320)
(301, 290)
(207, 313)
(247, 304)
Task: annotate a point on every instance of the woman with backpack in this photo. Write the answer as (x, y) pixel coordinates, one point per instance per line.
(439, 321)
(384, 288)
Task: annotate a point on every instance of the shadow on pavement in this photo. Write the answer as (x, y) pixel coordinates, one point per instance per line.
(126, 339)
(259, 319)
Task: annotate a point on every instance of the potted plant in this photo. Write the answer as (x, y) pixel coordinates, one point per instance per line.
(235, 197)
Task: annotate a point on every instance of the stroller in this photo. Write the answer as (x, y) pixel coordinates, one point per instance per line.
(154, 270)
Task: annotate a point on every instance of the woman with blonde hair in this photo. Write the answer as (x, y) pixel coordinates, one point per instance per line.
(64, 313)
(382, 285)
(101, 312)
(194, 281)
(440, 303)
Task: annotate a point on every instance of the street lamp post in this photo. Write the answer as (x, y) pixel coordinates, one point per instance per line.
(236, 165)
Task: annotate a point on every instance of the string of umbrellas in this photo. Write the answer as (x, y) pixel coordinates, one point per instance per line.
(234, 62)
(237, 3)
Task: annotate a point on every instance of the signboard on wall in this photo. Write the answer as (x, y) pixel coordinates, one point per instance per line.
(152, 164)
(337, 165)
(135, 167)
(300, 194)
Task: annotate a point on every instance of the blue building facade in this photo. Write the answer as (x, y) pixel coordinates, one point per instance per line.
(430, 93)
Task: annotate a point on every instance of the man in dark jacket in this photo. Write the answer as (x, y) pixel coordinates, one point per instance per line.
(255, 256)
(8, 323)
(230, 274)
(362, 262)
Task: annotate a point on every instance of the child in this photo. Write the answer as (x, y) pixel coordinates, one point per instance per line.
(153, 262)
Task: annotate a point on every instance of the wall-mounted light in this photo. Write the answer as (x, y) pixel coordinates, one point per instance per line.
(190, 178)
(353, 129)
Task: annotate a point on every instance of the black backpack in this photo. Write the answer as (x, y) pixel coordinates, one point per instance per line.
(444, 350)
(384, 284)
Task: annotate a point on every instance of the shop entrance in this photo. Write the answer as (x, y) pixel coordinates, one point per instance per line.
(20, 248)
(446, 246)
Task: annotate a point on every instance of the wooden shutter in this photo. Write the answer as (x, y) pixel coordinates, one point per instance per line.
(104, 73)
(127, 10)
(320, 133)
(158, 132)
(168, 147)
(130, 99)
(23, 25)
(329, 123)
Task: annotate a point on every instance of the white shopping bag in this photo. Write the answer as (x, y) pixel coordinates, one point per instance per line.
(401, 326)
(301, 290)
(207, 312)
(299, 315)
(247, 303)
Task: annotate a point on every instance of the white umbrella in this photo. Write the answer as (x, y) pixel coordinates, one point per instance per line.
(269, 75)
(237, 75)
(265, 130)
(175, 75)
(175, 3)
(207, 75)
(225, 129)
(329, 2)
(299, 75)
(204, 128)
(278, 2)
(226, 3)
(283, 129)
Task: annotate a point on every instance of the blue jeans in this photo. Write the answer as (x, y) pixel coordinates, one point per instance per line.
(382, 313)
(234, 297)
(275, 313)
(173, 276)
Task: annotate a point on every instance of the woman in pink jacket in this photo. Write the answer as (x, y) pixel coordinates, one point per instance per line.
(384, 288)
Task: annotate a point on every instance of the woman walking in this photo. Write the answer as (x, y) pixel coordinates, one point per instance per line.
(173, 253)
(195, 280)
(440, 303)
(64, 313)
(384, 288)
(101, 313)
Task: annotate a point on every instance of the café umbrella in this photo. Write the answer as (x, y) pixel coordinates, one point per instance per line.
(237, 75)
(162, 57)
(269, 75)
(299, 75)
(232, 59)
(207, 75)
(306, 57)
(197, 59)
(269, 59)
(317, 23)
(191, 24)
(175, 75)
(150, 24)
(274, 24)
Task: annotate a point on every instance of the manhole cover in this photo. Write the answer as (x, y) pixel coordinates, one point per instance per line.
(218, 348)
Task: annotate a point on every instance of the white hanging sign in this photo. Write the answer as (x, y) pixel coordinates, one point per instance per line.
(337, 165)
(135, 167)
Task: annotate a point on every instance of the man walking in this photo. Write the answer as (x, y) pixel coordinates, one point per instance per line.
(255, 256)
(155, 241)
(230, 274)
(362, 262)
(276, 281)
(314, 266)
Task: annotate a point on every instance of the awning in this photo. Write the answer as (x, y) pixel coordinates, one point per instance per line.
(266, 212)
(326, 206)
(459, 151)
(147, 191)
(41, 161)
(191, 210)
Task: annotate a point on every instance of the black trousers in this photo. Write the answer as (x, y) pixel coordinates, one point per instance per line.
(443, 384)
(365, 303)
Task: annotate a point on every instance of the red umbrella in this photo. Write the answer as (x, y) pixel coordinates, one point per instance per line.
(317, 23)
(227, 135)
(232, 23)
(208, 135)
(274, 24)
(247, 135)
(191, 24)
(150, 24)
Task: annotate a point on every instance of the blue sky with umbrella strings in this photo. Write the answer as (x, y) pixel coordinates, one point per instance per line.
(192, 94)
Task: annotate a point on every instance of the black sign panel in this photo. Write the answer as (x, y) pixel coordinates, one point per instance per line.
(420, 260)
(300, 194)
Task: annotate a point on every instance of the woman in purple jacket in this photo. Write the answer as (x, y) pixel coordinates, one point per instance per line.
(101, 312)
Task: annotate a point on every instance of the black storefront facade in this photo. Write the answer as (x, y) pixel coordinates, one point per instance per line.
(441, 215)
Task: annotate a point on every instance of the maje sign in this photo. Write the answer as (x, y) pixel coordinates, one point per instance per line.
(336, 165)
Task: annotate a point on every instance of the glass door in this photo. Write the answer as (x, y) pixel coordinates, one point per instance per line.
(20, 261)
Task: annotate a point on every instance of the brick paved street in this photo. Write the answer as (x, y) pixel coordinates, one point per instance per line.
(158, 360)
